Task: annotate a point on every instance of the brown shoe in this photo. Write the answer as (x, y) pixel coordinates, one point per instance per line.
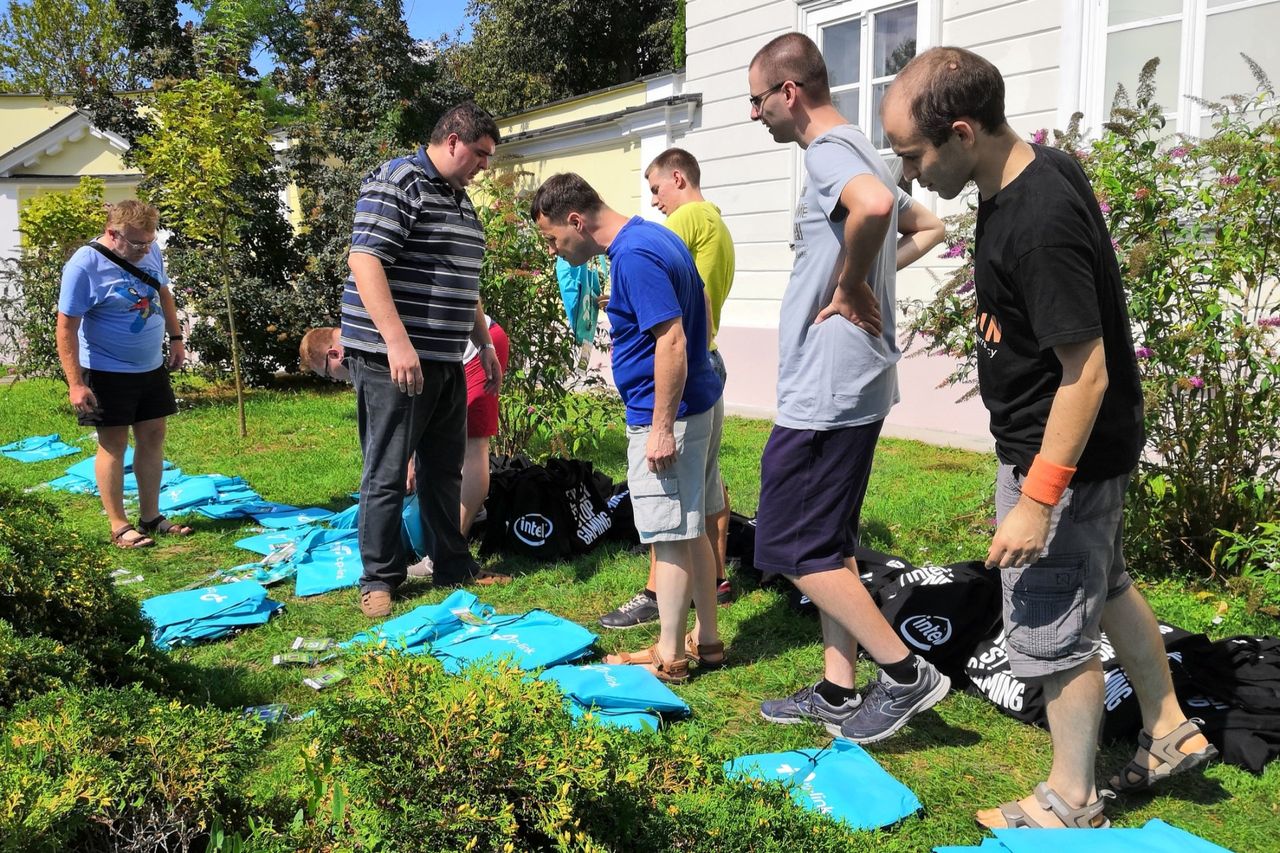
(376, 603)
(486, 578)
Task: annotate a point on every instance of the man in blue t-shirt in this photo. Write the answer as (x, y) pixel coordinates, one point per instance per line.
(113, 310)
(658, 319)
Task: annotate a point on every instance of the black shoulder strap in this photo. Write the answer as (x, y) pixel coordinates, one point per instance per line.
(143, 275)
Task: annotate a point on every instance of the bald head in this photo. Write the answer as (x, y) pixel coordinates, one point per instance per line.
(945, 84)
(794, 57)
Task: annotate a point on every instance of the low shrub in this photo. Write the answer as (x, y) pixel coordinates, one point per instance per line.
(56, 589)
(416, 759)
(30, 666)
(120, 770)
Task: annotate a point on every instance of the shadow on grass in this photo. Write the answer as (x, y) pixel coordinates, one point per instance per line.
(230, 688)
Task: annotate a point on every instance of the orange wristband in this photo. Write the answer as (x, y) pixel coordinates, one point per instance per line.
(1046, 481)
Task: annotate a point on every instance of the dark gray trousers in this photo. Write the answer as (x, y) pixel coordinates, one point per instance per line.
(393, 426)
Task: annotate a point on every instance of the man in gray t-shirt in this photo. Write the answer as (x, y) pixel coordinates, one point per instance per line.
(837, 351)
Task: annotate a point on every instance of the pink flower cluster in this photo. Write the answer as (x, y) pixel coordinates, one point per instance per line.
(1178, 152)
(1228, 180)
(1104, 207)
(955, 250)
(1143, 352)
(1272, 322)
(1040, 136)
(1195, 382)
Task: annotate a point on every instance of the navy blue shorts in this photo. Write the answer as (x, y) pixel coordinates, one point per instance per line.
(812, 483)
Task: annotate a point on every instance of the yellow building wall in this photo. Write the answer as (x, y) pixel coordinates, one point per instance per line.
(614, 171)
(88, 155)
(26, 116)
(602, 103)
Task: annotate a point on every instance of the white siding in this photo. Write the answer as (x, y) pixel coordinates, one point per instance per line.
(744, 171)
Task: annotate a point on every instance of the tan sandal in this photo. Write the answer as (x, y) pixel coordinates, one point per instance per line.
(141, 541)
(1168, 751)
(1088, 816)
(671, 672)
(707, 655)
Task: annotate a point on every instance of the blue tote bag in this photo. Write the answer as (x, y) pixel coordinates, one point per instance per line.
(39, 448)
(842, 781)
(628, 697)
(530, 641)
(327, 566)
(415, 631)
(208, 612)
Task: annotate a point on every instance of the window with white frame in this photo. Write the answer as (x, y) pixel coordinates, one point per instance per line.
(864, 46)
(1199, 43)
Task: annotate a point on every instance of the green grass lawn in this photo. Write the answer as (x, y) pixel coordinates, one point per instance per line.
(925, 503)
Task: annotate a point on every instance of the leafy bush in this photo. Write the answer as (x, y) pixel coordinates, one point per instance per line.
(53, 226)
(419, 760)
(1193, 222)
(119, 770)
(56, 590)
(30, 666)
(540, 414)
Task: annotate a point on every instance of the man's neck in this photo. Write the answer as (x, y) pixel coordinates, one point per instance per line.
(1005, 158)
(815, 121)
(109, 240)
(605, 226)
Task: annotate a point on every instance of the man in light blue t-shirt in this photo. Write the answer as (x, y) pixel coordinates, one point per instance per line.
(659, 324)
(837, 351)
(114, 308)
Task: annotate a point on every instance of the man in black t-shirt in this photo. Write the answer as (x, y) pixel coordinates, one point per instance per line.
(1056, 370)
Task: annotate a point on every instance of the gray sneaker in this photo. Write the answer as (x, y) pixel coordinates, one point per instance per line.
(639, 610)
(806, 705)
(889, 705)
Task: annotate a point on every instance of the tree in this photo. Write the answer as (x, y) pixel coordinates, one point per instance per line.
(65, 46)
(53, 226)
(209, 138)
(524, 53)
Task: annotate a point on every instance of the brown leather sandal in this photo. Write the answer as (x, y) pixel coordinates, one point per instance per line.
(707, 655)
(671, 672)
(141, 541)
(1168, 752)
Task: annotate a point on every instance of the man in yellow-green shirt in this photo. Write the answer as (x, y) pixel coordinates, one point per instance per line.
(674, 180)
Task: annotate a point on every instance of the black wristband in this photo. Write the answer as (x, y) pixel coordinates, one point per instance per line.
(176, 337)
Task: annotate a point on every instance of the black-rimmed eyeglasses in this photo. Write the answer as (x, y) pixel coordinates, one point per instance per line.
(757, 101)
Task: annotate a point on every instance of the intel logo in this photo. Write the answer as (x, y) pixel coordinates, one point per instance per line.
(926, 632)
(533, 529)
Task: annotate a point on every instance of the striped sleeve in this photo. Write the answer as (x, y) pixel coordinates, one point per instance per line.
(385, 213)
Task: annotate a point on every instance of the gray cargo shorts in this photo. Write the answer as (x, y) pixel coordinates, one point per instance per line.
(1053, 607)
(673, 505)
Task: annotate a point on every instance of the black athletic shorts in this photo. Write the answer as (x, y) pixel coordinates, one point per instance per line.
(125, 399)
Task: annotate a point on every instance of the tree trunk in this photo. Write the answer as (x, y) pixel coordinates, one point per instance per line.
(231, 324)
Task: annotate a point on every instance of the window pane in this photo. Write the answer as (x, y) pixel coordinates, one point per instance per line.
(842, 49)
(1128, 11)
(876, 133)
(1129, 50)
(894, 42)
(846, 103)
(1229, 34)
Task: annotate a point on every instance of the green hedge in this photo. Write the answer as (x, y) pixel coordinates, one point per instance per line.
(57, 597)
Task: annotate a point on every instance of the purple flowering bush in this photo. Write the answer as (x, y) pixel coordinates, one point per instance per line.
(1194, 223)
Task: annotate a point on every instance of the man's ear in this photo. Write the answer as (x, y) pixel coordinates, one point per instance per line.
(678, 177)
(965, 130)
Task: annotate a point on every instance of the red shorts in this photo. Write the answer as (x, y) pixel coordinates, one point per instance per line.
(482, 408)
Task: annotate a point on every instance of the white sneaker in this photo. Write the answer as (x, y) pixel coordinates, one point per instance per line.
(422, 569)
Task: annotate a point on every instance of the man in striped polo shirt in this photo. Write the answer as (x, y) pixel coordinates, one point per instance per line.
(408, 309)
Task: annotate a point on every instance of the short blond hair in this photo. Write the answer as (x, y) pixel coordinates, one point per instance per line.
(132, 212)
(314, 347)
